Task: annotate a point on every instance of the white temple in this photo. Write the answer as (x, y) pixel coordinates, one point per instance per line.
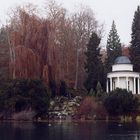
(122, 76)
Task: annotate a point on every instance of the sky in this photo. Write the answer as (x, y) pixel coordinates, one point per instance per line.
(122, 11)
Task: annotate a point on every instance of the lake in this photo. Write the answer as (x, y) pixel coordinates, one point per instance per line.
(97, 130)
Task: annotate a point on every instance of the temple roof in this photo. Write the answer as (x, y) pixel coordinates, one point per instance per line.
(122, 60)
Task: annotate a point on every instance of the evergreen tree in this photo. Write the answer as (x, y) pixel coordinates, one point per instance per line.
(135, 41)
(93, 64)
(113, 47)
(99, 90)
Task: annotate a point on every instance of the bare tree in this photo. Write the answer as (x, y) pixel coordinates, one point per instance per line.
(84, 23)
(26, 29)
(55, 44)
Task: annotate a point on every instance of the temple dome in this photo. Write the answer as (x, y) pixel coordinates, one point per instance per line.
(122, 60)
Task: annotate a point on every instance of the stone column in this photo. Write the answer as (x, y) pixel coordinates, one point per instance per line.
(127, 83)
(138, 85)
(118, 79)
(110, 83)
(134, 86)
(107, 86)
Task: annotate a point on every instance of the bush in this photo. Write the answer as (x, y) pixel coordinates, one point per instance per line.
(121, 102)
(24, 115)
(20, 95)
(90, 107)
(76, 92)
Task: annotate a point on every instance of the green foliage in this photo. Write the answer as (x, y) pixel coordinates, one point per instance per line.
(99, 90)
(135, 41)
(121, 102)
(113, 47)
(19, 95)
(99, 93)
(92, 92)
(93, 66)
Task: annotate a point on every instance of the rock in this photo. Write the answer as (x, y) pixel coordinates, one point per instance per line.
(62, 107)
(52, 103)
(56, 108)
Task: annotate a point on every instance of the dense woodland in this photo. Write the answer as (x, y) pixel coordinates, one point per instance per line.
(50, 48)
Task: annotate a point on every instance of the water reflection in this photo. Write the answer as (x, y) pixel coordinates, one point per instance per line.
(70, 131)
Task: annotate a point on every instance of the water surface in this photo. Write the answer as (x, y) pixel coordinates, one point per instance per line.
(97, 130)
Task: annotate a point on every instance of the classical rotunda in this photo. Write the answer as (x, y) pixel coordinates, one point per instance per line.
(123, 76)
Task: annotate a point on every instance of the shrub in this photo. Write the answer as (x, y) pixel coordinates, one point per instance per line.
(20, 95)
(91, 107)
(24, 115)
(121, 102)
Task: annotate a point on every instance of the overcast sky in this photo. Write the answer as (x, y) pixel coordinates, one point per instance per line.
(122, 11)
